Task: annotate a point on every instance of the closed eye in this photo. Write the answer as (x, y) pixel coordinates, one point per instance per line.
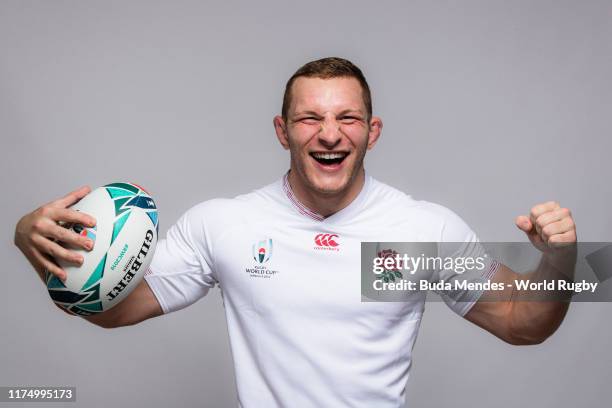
(310, 120)
(349, 119)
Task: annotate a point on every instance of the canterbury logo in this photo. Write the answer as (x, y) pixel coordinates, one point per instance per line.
(326, 240)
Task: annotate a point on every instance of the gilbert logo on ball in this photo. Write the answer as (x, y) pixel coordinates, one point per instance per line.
(125, 237)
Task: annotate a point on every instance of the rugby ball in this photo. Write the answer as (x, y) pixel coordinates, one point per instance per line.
(124, 238)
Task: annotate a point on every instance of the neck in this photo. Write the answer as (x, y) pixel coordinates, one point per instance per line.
(324, 203)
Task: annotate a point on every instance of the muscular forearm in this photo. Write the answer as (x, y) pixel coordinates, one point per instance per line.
(524, 317)
(533, 322)
(536, 314)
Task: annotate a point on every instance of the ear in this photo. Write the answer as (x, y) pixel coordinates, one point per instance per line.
(281, 131)
(376, 126)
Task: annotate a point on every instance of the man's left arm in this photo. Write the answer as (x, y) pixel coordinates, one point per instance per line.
(550, 229)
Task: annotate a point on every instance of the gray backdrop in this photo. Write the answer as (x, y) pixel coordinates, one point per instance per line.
(489, 107)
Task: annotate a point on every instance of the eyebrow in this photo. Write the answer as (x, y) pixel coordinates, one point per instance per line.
(344, 112)
(313, 113)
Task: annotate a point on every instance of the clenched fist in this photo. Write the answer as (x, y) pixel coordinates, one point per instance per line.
(548, 226)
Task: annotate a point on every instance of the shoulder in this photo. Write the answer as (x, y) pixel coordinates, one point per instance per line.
(393, 198)
(433, 215)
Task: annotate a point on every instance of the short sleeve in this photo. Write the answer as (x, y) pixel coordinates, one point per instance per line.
(467, 263)
(181, 270)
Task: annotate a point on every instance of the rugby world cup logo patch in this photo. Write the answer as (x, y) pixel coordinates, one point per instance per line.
(262, 251)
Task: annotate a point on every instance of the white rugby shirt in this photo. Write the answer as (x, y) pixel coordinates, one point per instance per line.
(299, 332)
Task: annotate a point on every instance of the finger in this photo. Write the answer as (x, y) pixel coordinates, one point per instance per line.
(566, 238)
(553, 216)
(69, 237)
(56, 252)
(540, 209)
(71, 198)
(47, 264)
(73, 216)
(523, 223)
(557, 228)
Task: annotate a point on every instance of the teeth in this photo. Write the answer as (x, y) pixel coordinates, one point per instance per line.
(329, 156)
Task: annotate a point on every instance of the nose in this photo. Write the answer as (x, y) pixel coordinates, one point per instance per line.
(329, 134)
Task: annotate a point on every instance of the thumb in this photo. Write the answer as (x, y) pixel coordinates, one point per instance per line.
(524, 223)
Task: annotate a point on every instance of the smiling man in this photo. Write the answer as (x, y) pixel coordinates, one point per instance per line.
(327, 125)
(287, 259)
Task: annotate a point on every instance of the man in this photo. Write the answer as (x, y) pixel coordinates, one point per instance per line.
(299, 333)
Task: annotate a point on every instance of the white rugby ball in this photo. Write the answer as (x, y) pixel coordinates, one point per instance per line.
(124, 238)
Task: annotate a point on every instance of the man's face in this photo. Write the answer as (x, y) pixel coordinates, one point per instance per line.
(327, 132)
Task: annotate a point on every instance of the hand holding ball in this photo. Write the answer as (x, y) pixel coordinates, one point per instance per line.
(125, 237)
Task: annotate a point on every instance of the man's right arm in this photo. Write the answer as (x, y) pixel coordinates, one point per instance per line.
(38, 235)
(141, 304)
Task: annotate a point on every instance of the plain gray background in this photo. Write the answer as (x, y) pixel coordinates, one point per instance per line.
(489, 107)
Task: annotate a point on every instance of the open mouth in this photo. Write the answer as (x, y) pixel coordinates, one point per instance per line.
(329, 159)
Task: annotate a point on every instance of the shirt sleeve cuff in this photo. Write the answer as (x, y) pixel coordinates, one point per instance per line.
(155, 287)
(463, 307)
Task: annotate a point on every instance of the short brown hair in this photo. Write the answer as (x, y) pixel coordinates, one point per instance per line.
(326, 68)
